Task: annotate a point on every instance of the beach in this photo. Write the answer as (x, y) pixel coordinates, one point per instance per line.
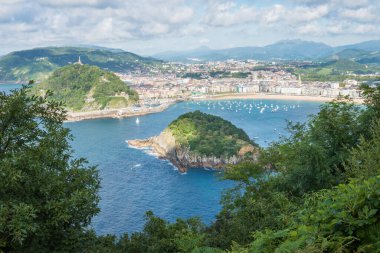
(270, 96)
(138, 111)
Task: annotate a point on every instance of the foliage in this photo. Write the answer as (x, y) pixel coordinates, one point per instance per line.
(75, 83)
(333, 70)
(372, 102)
(313, 158)
(196, 75)
(343, 219)
(208, 135)
(160, 236)
(46, 196)
(229, 74)
(316, 151)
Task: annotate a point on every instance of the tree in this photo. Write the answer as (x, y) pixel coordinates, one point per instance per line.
(46, 196)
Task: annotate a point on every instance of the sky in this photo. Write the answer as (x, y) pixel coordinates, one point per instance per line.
(147, 27)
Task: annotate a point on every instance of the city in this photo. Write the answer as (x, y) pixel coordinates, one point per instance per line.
(212, 79)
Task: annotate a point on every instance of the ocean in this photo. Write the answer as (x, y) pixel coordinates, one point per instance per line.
(134, 181)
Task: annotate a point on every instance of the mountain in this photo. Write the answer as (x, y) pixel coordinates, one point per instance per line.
(39, 63)
(197, 139)
(85, 88)
(113, 50)
(297, 50)
(372, 45)
(283, 50)
(350, 54)
(358, 55)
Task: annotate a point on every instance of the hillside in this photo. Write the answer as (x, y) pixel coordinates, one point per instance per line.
(197, 139)
(372, 45)
(208, 135)
(38, 63)
(335, 70)
(85, 87)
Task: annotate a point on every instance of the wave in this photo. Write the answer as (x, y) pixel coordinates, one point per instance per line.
(134, 147)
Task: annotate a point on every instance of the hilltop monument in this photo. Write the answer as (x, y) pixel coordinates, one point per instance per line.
(79, 62)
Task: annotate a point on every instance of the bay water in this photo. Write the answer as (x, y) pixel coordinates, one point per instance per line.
(134, 181)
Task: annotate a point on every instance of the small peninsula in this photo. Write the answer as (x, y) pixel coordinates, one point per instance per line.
(197, 139)
(87, 88)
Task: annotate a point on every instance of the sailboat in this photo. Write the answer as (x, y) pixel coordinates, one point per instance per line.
(137, 121)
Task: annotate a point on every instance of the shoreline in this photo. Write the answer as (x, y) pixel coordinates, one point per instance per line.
(264, 96)
(116, 113)
(130, 112)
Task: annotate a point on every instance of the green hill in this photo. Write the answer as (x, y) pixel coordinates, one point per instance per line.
(38, 63)
(350, 54)
(85, 87)
(208, 135)
(334, 70)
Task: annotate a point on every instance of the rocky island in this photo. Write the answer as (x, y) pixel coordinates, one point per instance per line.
(198, 139)
(87, 88)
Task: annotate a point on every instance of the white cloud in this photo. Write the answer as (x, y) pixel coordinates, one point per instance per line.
(225, 14)
(361, 14)
(274, 14)
(25, 23)
(204, 41)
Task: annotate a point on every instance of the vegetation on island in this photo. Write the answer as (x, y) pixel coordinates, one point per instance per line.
(317, 190)
(208, 135)
(39, 63)
(85, 87)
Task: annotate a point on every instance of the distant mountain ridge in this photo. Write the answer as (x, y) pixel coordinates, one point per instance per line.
(372, 45)
(282, 50)
(39, 63)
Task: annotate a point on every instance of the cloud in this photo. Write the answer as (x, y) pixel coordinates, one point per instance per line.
(25, 23)
(204, 41)
(117, 19)
(226, 14)
(306, 17)
(361, 14)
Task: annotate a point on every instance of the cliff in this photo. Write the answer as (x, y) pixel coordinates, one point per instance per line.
(184, 154)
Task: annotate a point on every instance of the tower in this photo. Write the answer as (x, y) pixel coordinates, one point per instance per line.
(79, 61)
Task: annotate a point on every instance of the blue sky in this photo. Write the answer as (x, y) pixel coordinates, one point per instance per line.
(150, 26)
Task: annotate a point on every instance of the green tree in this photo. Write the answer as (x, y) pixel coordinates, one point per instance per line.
(268, 192)
(46, 196)
(159, 236)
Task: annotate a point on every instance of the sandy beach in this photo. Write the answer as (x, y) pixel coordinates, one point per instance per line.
(130, 112)
(270, 96)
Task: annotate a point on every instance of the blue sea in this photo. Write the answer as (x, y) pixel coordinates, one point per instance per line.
(134, 181)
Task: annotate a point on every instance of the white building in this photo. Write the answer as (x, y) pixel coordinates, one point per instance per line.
(334, 85)
(291, 91)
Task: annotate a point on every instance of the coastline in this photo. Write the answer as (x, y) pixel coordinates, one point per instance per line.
(116, 113)
(130, 112)
(265, 96)
(164, 146)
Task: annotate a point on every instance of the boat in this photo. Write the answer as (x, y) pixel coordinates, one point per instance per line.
(137, 121)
